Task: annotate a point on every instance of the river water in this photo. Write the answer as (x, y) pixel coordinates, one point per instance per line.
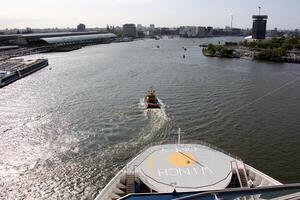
(65, 132)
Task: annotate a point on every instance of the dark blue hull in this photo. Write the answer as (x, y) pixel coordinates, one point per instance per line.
(24, 72)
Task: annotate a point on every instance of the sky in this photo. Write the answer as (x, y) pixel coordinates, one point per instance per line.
(283, 14)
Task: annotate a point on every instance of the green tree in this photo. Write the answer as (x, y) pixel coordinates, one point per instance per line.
(211, 49)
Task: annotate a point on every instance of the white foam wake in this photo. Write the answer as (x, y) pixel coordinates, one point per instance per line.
(157, 119)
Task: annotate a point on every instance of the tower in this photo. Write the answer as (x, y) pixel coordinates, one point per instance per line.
(259, 25)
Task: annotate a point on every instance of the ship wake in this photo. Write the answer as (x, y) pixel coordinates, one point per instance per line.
(158, 123)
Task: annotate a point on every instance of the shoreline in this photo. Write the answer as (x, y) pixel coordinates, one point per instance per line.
(241, 52)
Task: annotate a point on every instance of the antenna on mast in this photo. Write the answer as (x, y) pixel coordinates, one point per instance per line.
(231, 20)
(259, 10)
(178, 136)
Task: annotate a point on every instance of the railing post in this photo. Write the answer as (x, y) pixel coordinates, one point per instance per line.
(245, 173)
(134, 168)
(174, 186)
(237, 172)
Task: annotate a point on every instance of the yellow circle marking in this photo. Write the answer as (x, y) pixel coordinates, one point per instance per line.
(150, 163)
(182, 160)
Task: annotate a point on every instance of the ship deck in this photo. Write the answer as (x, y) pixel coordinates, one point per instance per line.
(183, 168)
(171, 171)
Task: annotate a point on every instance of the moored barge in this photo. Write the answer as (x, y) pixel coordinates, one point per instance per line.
(14, 69)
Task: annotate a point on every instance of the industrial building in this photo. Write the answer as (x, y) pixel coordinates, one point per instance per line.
(259, 27)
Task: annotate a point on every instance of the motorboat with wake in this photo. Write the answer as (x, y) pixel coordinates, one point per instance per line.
(184, 170)
(151, 101)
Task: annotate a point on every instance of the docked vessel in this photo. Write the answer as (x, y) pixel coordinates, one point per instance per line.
(151, 101)
(14, 69)
(190, 171)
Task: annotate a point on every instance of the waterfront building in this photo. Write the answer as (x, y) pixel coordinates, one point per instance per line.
(182, 31)
(272, 33)
(210, 31)
(152, 26)
(36, 39)
(78, 39)
(219, 32)
(188, 31)
(141, 30)
(81, 28)
(194, 31)
(166, 31)
(129, 30)
(202, 32)
(28, 30)
(259, 27)
(232, 31)
(140, 27)
(157, 31)
(151, 30)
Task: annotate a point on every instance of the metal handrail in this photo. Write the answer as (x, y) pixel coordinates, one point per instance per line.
(112, 181)
(245, 173)
(241, 190)
(186, 141)
(237, 171)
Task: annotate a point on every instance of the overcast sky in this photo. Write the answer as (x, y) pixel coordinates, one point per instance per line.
(283, 14)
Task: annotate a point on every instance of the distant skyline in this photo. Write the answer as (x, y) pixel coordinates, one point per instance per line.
(162, 13)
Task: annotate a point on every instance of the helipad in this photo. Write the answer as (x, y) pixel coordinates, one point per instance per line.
(184, 168)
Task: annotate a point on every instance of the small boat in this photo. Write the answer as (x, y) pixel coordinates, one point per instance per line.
(151, 100)
(158, 46)
(203, 45)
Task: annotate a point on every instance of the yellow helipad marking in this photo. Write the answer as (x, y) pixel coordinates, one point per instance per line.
(151, 163)
(182, 160)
